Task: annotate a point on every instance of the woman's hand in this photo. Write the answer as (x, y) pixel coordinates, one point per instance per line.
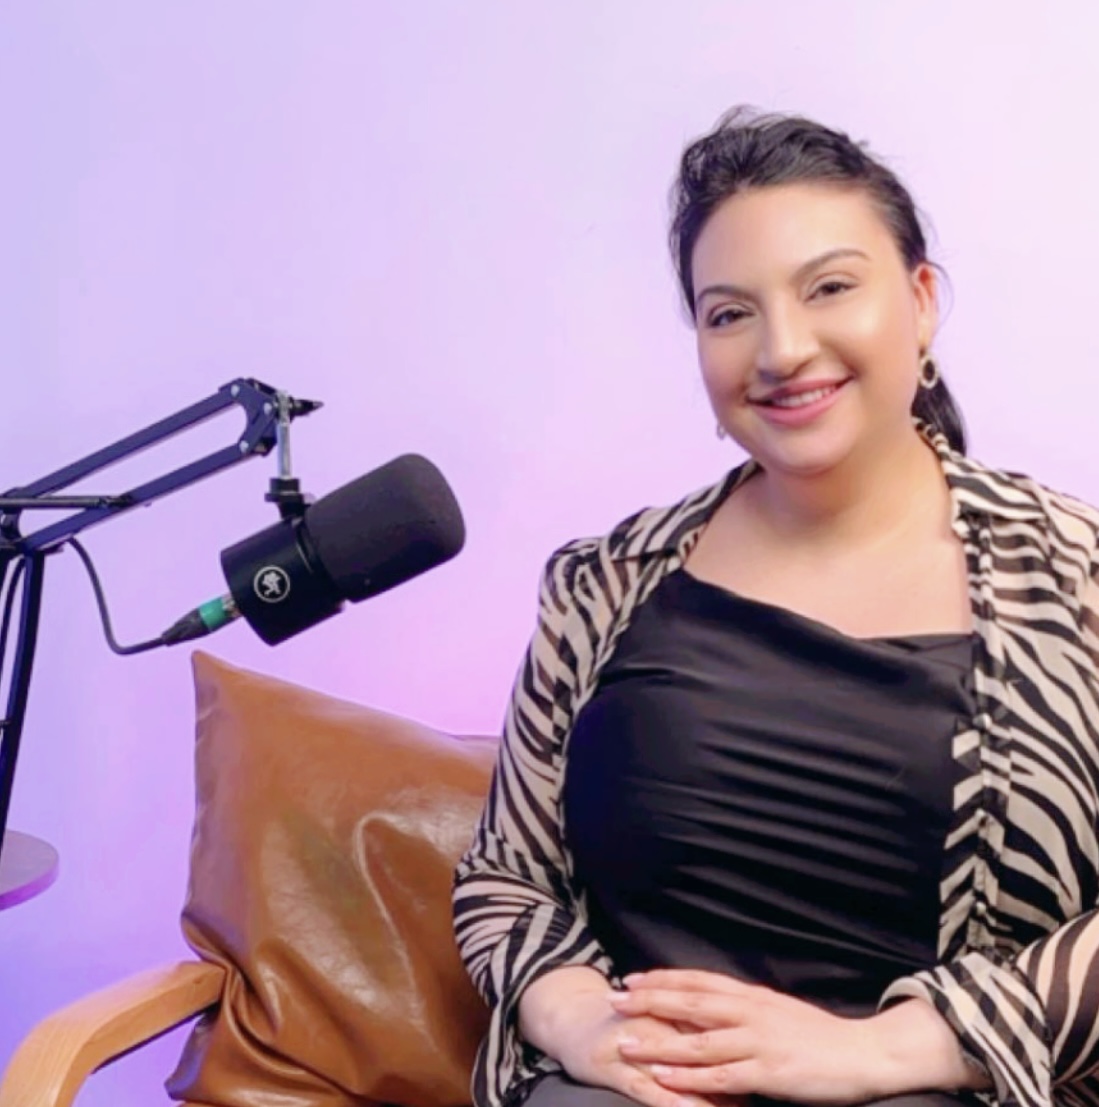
(748, 1039)
(568, 1015)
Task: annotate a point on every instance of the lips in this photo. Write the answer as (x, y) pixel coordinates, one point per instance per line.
(793, 408)
(794, 396)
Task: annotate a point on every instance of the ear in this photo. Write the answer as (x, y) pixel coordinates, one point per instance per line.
(925, 289)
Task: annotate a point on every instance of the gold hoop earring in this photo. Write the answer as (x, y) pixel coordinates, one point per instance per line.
(722, 432)
(929, 372)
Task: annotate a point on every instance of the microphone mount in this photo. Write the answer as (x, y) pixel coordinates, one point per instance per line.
(268, 415)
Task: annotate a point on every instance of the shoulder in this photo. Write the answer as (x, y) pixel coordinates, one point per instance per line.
(1018, 495)
(1008, 492)
(661, 531)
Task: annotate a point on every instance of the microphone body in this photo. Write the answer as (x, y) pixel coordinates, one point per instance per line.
(364, 538)
(277, 582)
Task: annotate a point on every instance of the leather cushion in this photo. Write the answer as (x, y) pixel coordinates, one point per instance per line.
(324, 844)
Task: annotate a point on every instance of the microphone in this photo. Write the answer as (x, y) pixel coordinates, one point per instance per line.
(364, 538)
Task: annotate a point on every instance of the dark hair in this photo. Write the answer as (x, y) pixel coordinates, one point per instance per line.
(749, 149)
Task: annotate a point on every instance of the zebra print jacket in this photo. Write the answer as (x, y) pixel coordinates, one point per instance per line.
(1017, 976)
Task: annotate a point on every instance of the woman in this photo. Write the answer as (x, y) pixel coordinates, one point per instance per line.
(799, 785)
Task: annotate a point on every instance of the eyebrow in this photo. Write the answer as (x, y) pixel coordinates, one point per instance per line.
(801, 271)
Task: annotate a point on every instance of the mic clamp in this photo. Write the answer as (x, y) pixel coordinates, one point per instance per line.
(286, 494)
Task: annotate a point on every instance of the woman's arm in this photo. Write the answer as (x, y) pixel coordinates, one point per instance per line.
(1032, 1020)
(918, 1051)
(513, 914)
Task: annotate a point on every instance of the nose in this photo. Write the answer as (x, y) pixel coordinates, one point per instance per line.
(787, 342)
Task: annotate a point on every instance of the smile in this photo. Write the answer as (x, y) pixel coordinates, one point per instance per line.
(792, 409)
(801, 399)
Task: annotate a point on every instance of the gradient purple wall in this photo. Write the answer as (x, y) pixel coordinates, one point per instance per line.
(446, 220)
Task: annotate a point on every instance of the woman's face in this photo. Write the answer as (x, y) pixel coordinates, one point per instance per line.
(809, 325)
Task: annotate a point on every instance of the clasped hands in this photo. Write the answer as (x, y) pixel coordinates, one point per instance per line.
(685, 1038)
(717, 1036)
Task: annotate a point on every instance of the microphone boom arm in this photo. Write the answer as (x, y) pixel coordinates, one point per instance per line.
(268, 414)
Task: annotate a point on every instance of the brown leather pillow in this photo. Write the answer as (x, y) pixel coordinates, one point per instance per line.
(324, 841)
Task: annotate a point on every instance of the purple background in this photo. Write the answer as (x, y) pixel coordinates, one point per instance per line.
(447, 221)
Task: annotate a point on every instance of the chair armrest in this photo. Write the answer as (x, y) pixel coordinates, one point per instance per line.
(59, 1053)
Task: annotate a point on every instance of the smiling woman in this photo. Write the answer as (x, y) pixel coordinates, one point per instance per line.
(803, 330)
(799, 786)
(755, 156)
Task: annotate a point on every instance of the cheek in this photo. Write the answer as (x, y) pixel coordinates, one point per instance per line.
(865, 325)
(876, 340)
(725, 365)
(878, 324)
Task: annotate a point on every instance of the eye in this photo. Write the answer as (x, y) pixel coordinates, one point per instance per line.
(725, 316)
(831, 288)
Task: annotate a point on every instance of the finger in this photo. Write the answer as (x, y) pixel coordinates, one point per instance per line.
(688, 980)
(703, 1010)
(708, 1047)
(733, 1078)
(640, 1085)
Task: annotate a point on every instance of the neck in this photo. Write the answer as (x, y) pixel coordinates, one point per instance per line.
(868, 498)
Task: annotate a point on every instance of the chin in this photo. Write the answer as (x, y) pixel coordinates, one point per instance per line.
(809, 452)
(804, 460)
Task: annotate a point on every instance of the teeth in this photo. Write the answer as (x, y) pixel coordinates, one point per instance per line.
(803, 398)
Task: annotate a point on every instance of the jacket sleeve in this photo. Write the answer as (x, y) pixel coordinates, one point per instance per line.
(514, 914)
(1031, 1018)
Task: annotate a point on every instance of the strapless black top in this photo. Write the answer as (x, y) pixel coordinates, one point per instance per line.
(752, 792)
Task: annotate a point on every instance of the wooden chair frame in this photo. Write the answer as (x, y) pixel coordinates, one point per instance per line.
(61, 1052)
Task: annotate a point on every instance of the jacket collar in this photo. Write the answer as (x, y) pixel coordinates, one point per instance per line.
(975, 490)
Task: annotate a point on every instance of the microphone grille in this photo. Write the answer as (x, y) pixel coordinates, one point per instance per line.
(384, 528)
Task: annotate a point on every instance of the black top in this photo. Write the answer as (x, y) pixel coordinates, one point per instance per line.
(752, 792)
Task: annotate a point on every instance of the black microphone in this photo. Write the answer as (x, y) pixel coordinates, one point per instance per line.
(387, 527)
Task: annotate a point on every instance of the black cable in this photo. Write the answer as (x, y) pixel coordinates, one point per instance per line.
(101, 601)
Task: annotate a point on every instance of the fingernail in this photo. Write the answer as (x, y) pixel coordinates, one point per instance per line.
(662, 1070)
(633, 978)
(620, 997)
(628, 1041)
